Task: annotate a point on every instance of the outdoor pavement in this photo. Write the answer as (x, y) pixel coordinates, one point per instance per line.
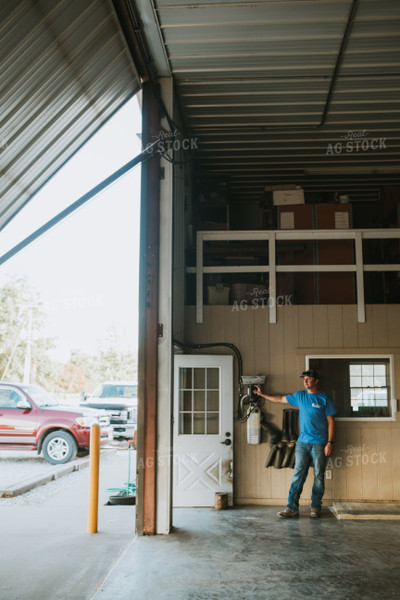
(46, 552)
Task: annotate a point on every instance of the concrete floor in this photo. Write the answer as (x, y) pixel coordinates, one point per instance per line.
(249, 553)
(241, 553)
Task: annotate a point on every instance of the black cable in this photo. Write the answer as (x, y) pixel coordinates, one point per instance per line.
(227, 345)
(172, 125)
(256, 402)
(173, 161)
(238, 356)
(245, 416)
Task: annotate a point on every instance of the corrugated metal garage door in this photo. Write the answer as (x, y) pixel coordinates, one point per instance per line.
(64, 69)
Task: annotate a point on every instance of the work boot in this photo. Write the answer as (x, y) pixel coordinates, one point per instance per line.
(271, 455)
(292, 425)
(285, 426)
(274, 432)
(288, 514)
(315, 513)
(288, 454)
(280, 452)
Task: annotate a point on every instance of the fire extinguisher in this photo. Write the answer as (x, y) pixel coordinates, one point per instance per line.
(253, 425)
(250, 410)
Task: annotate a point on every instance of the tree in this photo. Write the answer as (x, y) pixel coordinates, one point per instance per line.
(73, 379)
(116, 360)
(21, 316)
(88, 364)
(113, 361)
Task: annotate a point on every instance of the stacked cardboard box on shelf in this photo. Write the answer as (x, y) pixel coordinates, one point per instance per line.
(288, 194)
(324, 288)
(335, 288)
(288, 197)
(298, 216)
(299, 286)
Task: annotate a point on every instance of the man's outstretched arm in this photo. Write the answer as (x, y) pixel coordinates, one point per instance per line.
(281, 399)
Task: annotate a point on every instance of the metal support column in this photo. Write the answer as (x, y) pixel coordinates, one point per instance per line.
(148, 324)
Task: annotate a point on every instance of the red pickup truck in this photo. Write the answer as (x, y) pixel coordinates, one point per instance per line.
(30, 419)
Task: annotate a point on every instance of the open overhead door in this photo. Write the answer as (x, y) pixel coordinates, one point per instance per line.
(64, 70)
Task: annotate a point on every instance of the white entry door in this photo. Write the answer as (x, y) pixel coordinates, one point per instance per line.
(203, 429)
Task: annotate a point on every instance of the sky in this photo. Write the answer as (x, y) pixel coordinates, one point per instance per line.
(86, 268)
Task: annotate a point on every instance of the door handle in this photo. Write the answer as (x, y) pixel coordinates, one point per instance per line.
(227, 442)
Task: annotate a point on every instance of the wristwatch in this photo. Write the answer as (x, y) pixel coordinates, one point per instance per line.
(329, 442)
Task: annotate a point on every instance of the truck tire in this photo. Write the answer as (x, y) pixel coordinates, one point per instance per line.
(59, 447)
(122, 499)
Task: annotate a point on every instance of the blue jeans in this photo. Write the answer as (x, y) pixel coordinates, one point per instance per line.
(306, 455)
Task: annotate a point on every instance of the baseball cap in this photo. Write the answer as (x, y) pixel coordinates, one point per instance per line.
(310, 373)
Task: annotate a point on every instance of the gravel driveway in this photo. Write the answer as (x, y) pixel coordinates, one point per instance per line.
(17, 467)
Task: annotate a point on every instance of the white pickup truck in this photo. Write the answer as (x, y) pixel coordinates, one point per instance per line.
(119, 399)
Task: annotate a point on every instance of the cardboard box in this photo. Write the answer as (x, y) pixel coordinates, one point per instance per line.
(298, 216)
(335, 288)
(283, 197)
(333, 216)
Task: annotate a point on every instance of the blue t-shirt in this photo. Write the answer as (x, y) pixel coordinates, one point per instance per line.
(313, 408)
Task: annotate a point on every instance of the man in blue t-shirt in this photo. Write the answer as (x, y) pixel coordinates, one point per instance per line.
(317, 428)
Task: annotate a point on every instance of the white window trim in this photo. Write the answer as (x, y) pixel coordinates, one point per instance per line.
(393, 401)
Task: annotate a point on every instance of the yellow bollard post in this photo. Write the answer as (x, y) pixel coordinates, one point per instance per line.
(94, 477)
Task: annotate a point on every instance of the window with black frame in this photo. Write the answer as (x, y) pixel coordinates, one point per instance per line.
(359, 386)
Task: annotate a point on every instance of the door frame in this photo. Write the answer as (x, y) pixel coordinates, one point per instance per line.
(226, 413)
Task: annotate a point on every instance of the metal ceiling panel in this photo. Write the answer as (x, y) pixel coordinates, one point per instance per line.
(64, 69)
(243, 32)
(217, 14)
(269, 87)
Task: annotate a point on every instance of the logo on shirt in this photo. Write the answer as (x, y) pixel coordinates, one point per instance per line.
(314, 405)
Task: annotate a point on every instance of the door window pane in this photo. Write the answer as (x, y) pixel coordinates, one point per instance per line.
(212, 401)
(199, 424)
(213, 423)
(212, 379)
(199, 400)
(186, 401)
(185, 378)
(185, 423)
(199, 378)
